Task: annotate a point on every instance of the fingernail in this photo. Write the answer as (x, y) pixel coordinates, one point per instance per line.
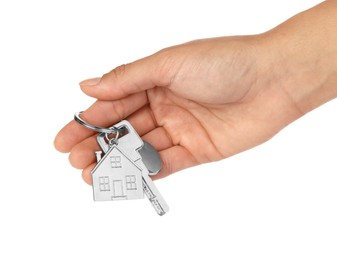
(90, 82)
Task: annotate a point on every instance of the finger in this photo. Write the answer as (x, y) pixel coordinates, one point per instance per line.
(175, 159)
(101, 113)
(86, 173)
(83, 153)
(143, 120)
(158, 138)
(127, 79)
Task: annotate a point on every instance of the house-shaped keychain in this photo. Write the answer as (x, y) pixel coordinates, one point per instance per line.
(121, 173)
(118, 174)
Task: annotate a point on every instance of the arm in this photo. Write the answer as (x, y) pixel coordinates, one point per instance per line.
(306, 66)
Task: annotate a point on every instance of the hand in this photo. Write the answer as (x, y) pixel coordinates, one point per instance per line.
(196, 103)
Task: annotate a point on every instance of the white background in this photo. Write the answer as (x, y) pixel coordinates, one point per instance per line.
(276, 201)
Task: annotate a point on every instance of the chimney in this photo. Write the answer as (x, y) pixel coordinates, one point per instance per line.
(98, 155)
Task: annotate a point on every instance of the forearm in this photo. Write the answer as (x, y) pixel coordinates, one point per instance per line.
(306, 56)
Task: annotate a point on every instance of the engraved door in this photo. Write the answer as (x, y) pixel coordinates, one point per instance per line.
(118, 191)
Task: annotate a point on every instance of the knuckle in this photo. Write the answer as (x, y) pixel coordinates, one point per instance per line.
(120, 70)
(166, 64)
(114, 79)
(118, 109)
(117, 72)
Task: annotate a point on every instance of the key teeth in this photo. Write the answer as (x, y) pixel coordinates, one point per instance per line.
(154, 201)
(158, 207)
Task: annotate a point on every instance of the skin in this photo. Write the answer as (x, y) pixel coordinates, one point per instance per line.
(209, 99)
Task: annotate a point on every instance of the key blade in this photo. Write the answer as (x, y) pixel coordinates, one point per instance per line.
(154, 196)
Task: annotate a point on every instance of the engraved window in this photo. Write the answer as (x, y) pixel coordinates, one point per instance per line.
(116, 161)
(104, 183)
(131, 182)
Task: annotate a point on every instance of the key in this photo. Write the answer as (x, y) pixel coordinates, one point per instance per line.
(128, 169)
(150, 189)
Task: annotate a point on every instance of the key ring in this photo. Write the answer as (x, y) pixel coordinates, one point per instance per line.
(107, 131)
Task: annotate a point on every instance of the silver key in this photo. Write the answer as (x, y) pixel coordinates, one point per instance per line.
(121, 172)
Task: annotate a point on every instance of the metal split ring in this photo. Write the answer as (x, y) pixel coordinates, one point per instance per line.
(113, 140)
(107, 131)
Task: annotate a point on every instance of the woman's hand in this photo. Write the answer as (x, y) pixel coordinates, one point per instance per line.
(208, 99)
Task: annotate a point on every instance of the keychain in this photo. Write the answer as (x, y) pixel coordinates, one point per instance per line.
(124, 164)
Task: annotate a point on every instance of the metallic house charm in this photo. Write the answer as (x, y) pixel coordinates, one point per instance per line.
(121, 174)
(115, 177)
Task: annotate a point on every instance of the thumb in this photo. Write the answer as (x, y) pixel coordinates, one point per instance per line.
(127, 79)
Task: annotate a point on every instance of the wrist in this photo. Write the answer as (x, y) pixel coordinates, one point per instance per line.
(304, 56)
